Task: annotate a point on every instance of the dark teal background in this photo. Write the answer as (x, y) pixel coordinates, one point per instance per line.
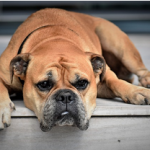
(12, 14)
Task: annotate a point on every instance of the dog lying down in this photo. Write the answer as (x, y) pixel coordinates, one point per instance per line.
(62, 61)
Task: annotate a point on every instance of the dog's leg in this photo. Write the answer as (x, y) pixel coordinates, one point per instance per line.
(6, 106)
(116, 66)
(128, 92)
(103, 91)
(115, 41)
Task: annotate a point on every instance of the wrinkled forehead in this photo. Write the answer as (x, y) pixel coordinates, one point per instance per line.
(59, 57)
(55, 67)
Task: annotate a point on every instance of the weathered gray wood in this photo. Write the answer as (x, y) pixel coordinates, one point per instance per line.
(4, 40)
(103, 134)
(105, 107)
(21, 110)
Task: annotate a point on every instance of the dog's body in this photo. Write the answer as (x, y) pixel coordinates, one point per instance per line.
(58, 56)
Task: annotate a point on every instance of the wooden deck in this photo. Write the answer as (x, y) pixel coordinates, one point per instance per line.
(114, 124)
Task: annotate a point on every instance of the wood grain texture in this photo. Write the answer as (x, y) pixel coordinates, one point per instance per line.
(103, 134)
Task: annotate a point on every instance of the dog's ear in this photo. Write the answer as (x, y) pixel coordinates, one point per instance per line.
(18, 66)
(98, 64)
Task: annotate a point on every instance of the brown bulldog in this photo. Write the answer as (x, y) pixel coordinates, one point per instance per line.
(55, 58)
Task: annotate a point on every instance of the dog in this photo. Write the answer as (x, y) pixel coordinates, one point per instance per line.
(62, 61)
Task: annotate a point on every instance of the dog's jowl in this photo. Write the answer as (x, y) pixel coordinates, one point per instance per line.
(62, 61)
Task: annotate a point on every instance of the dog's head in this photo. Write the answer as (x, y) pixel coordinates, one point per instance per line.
(60, 83)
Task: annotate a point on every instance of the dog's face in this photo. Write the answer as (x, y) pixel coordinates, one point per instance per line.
(60, 83)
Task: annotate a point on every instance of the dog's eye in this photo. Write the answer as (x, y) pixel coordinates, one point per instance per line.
(81, 84)
(45, 85)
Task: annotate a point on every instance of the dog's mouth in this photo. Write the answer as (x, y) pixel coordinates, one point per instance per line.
(65, 118)
(57, 114)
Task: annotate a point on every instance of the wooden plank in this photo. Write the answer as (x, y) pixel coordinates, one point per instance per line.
(21, 110)
(4, 40)
(105, 107)
(103, 134)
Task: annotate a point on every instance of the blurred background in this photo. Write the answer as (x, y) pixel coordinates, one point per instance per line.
(131, 17)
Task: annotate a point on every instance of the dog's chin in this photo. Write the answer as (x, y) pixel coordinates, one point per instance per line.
(63, 120)
(66, 120)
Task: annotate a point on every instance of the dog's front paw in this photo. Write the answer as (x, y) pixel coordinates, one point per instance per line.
(138, 96)
(6, 107)
(144, 79)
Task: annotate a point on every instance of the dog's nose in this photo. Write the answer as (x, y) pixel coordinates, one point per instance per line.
(65, 97)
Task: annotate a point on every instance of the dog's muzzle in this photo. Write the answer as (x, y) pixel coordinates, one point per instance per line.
(64, 108)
